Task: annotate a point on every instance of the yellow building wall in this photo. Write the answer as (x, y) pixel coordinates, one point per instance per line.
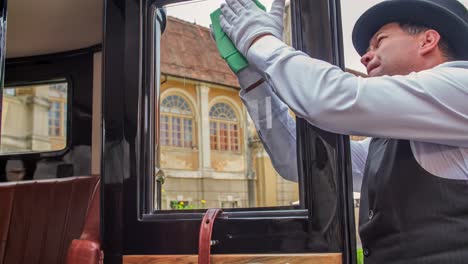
(186, 86)
(232, 94)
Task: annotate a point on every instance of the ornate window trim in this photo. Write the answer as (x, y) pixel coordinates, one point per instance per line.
(184, 119)
(224, 127)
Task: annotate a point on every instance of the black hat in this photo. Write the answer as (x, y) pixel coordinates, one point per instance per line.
(448, 17)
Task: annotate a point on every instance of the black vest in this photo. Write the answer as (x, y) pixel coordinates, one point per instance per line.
(407, 214)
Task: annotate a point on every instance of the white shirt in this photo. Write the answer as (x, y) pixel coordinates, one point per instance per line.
(429, 108)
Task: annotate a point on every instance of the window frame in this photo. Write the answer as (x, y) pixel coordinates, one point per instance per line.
(149, 214)
(273, 212)
(74, 67)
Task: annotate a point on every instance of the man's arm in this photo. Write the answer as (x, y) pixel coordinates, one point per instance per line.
(428, 106)
(277, 131)
(276, 128)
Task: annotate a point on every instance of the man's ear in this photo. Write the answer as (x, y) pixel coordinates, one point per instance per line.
(429, 41)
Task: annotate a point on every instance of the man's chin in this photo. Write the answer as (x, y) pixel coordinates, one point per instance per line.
(375, 73)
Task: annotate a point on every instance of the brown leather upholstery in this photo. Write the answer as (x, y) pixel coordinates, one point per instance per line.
(39, 219)
(87, 249)
(6, 203)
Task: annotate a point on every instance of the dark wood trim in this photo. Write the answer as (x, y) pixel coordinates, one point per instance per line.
(323, 157)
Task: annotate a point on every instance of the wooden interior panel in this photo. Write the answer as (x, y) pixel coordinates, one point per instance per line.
(332, 258)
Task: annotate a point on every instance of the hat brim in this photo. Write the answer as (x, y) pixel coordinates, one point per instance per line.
(451, 27)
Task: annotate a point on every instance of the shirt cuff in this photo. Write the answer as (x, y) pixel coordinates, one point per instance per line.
(259, 92)
(262, 50)
(247, 77)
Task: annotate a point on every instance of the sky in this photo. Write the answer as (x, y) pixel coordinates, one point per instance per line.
(198, 11)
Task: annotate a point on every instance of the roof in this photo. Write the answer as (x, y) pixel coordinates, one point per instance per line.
(188, 51)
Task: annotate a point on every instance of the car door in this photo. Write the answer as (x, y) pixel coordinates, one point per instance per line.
(158, 179)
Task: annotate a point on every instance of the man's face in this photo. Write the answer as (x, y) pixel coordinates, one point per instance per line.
(392, 51)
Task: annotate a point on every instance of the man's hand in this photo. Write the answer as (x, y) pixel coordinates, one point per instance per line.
(244, 22)
(249, 77)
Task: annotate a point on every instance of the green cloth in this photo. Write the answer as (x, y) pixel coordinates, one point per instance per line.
(226, 48)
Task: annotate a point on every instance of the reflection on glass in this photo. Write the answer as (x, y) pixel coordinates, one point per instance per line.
(210, 152)
(34, 118)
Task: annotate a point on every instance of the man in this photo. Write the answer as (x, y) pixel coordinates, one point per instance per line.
(414, 195)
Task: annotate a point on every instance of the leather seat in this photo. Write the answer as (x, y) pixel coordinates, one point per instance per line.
(87, 249)
(39, 219)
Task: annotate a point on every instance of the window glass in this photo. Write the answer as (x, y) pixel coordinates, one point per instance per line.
(34, 118)
(210, 151)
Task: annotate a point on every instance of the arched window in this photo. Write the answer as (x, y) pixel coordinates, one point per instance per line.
(176, 122)
(224, 128)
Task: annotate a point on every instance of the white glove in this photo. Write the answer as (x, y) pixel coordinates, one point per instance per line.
(248, 76)
(243, 22)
